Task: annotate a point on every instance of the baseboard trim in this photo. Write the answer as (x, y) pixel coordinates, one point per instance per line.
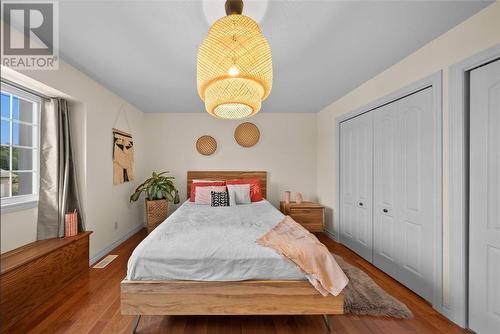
(331, 235)
(102, 253)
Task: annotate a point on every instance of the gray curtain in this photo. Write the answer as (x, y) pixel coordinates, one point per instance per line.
(58, 192)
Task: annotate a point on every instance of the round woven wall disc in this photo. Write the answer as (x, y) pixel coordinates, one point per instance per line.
(206, 145)
(247, 134)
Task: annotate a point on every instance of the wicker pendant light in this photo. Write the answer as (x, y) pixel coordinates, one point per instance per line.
(234, 70)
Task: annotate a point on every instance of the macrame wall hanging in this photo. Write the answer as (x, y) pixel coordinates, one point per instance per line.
(123, 153)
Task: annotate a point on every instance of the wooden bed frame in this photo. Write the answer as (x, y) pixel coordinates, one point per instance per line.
(257, 297)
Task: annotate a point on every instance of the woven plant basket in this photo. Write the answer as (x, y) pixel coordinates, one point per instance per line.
(156, 212)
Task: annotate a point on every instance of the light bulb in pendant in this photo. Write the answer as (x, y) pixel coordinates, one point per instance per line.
(233, 71)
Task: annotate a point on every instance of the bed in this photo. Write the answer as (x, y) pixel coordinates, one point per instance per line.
(204, 261)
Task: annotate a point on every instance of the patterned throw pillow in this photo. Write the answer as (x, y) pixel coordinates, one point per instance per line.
(219, 198)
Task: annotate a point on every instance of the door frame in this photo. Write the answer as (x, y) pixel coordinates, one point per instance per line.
(435, 82)
(458, 137)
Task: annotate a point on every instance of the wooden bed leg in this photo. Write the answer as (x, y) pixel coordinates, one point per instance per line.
(326, 319)
(136, 323)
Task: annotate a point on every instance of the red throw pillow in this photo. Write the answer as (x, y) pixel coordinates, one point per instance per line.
(192, 191)
(255, 189)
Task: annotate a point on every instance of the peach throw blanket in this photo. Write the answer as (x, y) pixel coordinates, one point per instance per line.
(290, 239)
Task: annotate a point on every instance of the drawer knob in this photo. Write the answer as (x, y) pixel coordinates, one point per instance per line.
(360, 203)
(385, 210)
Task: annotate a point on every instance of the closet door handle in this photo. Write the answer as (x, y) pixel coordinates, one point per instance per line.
(360, 203)
(385, 210)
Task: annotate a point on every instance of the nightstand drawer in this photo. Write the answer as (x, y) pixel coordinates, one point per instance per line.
(311, 219)
(311, 214)
(308, 214)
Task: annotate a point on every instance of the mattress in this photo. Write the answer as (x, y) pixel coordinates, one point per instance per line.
(204, 243)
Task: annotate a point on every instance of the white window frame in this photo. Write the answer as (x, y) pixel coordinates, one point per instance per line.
(20, 202)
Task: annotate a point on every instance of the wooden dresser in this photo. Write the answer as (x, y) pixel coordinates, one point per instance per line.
(308, 214)
(32, 274)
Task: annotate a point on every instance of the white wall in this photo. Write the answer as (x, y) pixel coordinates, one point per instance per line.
(163, 141)
(18, 228)
(470, 37)
(286, 150)
(94, 111)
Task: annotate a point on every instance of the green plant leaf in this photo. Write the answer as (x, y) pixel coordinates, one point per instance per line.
(169, 197)
(158, 186)
(176, 197)
(135, 196)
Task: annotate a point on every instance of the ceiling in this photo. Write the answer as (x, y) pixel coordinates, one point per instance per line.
(145, 51)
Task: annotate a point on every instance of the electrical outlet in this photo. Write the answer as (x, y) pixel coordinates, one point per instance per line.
(116, 225)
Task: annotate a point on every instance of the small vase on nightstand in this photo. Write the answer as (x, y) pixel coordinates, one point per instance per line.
(288, 196)
(298, 198)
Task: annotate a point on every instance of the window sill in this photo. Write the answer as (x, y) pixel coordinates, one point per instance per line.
(14, 207)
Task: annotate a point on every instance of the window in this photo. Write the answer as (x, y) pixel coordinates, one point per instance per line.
(19, 155)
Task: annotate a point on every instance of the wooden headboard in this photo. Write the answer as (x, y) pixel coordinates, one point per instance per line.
(223, 175)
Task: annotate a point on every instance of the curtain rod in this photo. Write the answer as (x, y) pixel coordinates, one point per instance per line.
(26, 89)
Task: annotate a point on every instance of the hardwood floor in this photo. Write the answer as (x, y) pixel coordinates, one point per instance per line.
(91, 304)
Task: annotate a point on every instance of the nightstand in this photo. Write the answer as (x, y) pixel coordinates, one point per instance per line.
(308, 214)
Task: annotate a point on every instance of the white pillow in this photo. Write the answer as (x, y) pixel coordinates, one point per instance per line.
(203, 194)
(239, 194)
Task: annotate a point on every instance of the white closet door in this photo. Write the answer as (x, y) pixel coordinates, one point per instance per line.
(356, 144)
(387, 173)
(484, 200)
(405, 191)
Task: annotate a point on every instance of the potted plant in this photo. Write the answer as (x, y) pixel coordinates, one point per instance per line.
(159, 191)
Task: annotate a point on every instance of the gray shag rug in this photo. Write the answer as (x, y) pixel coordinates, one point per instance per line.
(362, 296)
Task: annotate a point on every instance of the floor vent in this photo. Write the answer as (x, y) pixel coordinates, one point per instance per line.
(104, 262)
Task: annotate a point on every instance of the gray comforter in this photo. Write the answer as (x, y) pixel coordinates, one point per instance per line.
(203, 243)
